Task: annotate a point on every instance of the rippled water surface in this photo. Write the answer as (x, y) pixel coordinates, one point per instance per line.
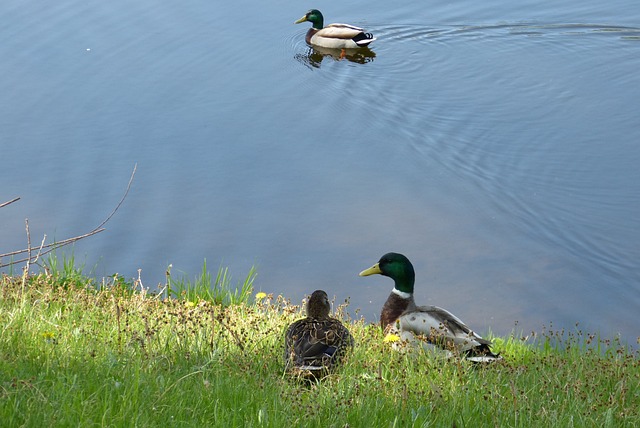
(496, 145)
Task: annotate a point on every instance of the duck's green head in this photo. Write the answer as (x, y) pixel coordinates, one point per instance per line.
(397, 267)
(318, 305)
(314, 17)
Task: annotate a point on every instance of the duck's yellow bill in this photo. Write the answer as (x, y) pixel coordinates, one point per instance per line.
(303, 19)
(375, 269)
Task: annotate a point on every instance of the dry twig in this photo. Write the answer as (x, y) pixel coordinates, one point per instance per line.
(44, 249)
(4, 204)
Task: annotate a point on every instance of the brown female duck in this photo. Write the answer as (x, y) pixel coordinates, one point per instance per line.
(317, 344)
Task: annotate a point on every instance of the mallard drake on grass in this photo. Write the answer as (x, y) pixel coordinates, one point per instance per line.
(315, 345)
(334, 36)
(434, 326)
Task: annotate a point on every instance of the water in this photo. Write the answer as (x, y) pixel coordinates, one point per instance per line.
(494, 144)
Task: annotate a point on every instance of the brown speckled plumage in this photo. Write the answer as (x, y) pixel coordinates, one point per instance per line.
(317, 344)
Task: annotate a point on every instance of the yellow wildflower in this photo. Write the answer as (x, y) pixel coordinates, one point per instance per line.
(261, 295)
(391, 338)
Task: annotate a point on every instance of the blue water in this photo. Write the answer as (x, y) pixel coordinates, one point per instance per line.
(494, 144)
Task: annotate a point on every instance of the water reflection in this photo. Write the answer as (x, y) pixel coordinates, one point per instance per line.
(314, 56)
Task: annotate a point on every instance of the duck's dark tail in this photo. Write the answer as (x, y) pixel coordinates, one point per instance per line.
(482, 354)
(363, 39)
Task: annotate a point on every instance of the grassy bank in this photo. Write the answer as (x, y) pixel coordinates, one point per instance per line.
(113, 355)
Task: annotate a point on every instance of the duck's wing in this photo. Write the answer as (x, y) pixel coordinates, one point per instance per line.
(316, 343)
(340, 31)
(440, 325)
(441, 333)
(291, 336)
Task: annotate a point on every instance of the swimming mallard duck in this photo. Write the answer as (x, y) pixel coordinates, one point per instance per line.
(334, 36)
(436, 327)
(318, 343)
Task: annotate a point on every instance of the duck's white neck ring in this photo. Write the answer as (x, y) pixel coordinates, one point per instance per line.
(401, 293)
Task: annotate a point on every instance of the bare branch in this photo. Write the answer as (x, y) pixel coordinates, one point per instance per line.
(35, 260)
(44, 249)
(4, 204)
(133, 173)
(26, 268)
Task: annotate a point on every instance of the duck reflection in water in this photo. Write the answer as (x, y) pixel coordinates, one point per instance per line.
(315, 55)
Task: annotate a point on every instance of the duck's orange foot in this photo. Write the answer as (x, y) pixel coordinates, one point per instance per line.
(343, 53)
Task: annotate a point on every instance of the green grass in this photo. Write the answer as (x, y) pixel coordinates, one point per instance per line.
(64, 271)
(115, 355)
(218, 290)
